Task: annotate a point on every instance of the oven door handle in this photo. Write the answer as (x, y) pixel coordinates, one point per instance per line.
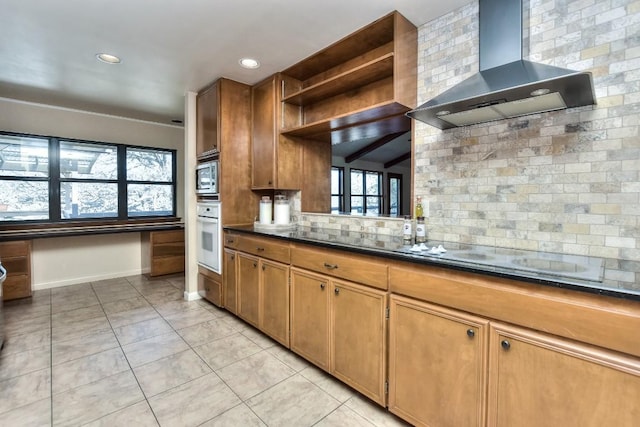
(208, 220)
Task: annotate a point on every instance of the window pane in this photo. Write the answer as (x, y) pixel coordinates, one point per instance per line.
(24, 200)
(394, 196)
(336, 181)
(150, 199)
(373, 183)
(24, 156)
(88, 199)
(149, 165)
(373, 205)
(356, 181)
(357, 204)
(88, 161)
(335, 204)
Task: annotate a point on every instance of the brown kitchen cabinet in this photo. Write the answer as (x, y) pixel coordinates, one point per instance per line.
(207, 120)
(437, 364)
(537, 379)
(355, 320)
(210, 286)
(274, 300)
(359, 338)
(166, 251)
(16, 258)
(229, 282)
(249, 288)
(310, 317)
(263, 284)
(276, 160)
(362, 84)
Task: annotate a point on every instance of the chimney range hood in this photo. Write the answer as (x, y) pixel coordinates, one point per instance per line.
(507, 85)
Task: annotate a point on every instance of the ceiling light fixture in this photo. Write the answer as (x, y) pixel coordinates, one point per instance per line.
(108, 58)
(249, 63)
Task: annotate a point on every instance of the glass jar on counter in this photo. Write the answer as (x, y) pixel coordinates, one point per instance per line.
(421, 230)
(407, 230)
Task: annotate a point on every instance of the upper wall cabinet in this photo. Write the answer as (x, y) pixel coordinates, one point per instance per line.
(359, 87)
(207, 111)
(277, 160)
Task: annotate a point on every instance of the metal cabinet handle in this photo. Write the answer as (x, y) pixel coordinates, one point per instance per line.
(330, 266)
(255, 264)
(336, 291)
(230, 241)
(322, 286)
(264, 267)
(259, 249)
(233, 257)
(506, 345)
(471, 333)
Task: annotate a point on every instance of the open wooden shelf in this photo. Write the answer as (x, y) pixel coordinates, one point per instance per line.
(355, 78)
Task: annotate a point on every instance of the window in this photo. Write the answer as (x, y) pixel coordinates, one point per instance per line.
(395, 194)
(50, 179)
(337, 189)
(366, 192)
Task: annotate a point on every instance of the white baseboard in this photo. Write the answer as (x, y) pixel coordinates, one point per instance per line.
(191, 296)
(85, 279)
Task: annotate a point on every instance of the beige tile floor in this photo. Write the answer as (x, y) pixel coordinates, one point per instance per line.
(131, 351)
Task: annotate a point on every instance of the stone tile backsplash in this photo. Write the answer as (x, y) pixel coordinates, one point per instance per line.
(565, 181)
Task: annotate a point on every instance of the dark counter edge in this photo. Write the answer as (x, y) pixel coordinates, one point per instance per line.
(582, 287)
(89, 230)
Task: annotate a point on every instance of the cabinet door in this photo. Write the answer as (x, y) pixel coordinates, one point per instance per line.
(207, 103)
(310, 317)
(437, 362)
(229, 280)
(358, 334)
(537, 380)
(248, 288)
(274, 317)
(263, 105)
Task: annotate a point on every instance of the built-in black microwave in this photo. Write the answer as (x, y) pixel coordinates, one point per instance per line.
(207, 178)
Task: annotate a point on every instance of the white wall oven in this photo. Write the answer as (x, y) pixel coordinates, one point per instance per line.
(207, 178)
(209, 229)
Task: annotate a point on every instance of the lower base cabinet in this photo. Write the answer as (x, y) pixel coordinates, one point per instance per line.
(210, 286)
(229, 283)
(537, 379)
(16, 258)
(437, 365)
(342, 328)
(263, 295)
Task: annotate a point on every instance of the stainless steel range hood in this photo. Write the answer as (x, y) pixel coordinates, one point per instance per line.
(507, 85)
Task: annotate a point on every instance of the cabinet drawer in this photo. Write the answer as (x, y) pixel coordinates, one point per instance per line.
(16, 266)
(210, 289)
(231, 240)
(14, 249)
(167, 265)
(16, 287)
(168, 249)
(356, 268)
(265, 248)
(158, 237)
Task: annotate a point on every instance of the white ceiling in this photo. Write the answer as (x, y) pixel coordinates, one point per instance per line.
(168, 47)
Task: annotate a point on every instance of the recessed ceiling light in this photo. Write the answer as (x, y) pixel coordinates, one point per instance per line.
(108, 58)
(249, 63)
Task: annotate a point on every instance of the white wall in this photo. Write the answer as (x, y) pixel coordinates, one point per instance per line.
(70, 260)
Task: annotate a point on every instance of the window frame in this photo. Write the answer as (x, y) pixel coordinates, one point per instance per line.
(390, 177)
(364, 195)
(54, 181)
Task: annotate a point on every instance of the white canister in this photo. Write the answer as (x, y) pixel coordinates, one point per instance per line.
(265, 210)
(281, 213)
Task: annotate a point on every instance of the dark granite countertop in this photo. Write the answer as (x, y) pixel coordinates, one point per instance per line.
(581, 273)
